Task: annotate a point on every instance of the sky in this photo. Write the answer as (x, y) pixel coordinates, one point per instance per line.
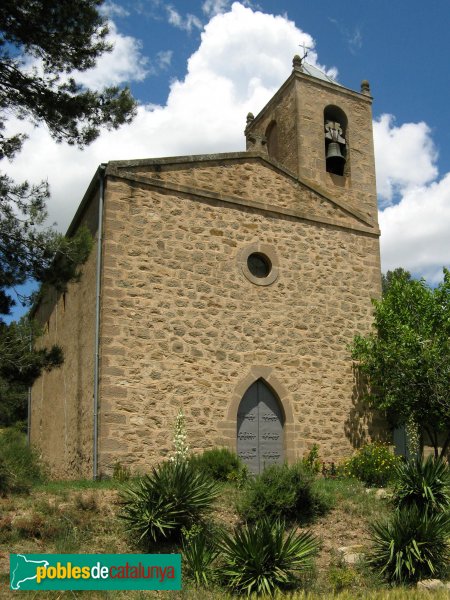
(197, 68)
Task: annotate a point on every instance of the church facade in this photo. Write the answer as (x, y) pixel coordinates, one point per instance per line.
(227, 285)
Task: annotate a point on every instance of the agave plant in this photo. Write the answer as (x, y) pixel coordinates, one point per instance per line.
(172, 496)
(259, 558)
(425, 484)
(411, 545)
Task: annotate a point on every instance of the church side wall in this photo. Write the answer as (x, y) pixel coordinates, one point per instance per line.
(62, 399)
(182, 327)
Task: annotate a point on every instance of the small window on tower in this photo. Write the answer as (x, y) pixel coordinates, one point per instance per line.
(336, 147)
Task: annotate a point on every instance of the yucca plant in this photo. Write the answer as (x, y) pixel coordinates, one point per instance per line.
(172, 496)
(200, 550)
(411, 545)
(259, 557)
(425, 484)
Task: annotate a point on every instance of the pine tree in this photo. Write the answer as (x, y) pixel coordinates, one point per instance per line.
(57, 38)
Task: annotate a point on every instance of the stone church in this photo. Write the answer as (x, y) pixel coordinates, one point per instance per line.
(227, 285)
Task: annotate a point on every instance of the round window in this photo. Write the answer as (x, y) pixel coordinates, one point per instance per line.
(259, 265)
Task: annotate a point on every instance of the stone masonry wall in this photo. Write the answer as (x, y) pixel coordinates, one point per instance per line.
(298, 108)
(358, 189)
(248, 180)
(183, 327)
(62, 400)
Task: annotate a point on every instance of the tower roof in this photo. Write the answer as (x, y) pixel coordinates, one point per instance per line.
(315, 72)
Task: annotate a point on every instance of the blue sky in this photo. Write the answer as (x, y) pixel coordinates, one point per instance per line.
(198, 67)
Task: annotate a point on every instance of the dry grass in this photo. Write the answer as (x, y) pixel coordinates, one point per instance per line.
(81, 517)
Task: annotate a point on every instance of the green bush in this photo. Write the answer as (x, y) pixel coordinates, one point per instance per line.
(411, 545)
(200, 550)
(373, 464)
(282, 491)
(342, 577)
(121, 473)
(20, 467)
(220, 463)
(425, 484)
(311, 461)
(259, 558)
(174, 495)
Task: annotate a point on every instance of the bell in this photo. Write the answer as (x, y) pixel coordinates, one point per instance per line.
(335, 159)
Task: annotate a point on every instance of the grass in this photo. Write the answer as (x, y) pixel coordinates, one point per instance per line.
(353, 497)
(200, 594)
(81, 517)
(54, 487)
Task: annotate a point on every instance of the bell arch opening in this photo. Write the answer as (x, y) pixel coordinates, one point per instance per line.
(272, 140)
(260, 428)
(336, 140)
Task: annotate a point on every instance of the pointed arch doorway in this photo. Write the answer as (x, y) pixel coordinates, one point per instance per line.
(260, 422)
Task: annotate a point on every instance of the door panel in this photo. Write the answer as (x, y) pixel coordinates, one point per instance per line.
(247, 429)
(259, 428)
(270, 428)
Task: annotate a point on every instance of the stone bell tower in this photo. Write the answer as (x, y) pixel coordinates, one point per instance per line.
(321, 132)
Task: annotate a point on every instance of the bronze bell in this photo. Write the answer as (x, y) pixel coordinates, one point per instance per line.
(335, 158)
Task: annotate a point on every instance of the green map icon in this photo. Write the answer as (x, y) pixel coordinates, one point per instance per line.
(23, 569)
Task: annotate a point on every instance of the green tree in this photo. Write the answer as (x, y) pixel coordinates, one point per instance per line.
(43, 44)
(58, 38)
(407, 358)
(390, 276)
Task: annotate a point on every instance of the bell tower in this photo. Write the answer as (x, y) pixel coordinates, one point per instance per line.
(321, 132)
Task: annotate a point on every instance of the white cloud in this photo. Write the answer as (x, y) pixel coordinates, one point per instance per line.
(215, 7)
(111, 9)
(204, 113)
(186, 23)
(164, 59)
(243, 58)
(124, 63)
(353, 37)
(405, 156)
(414, 229)
(415, 232)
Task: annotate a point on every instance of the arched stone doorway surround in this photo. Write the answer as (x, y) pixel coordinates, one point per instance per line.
(228, 427)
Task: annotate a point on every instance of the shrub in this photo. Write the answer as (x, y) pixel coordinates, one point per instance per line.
(259, 558)
(311, 461)
(199, 553)
(373, 464)
(87, 502)
(411, 545)
(38, 526)
(220, 463)
(121, 473)
(20, 467)
(425, 484)
(172, 496)
(282, 491)
(342, 577)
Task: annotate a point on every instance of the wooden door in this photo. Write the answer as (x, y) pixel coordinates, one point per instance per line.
(259, 428)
